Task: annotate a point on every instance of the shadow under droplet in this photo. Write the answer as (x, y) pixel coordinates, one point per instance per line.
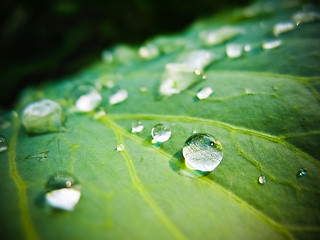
(177, 164)
(40, 200)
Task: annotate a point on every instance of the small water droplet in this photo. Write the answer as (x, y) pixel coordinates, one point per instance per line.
(194, 132)
(306, 17)
(249, 91)
(213, 37)
(271, 44)
(234, 50)
(63, 191)
(42, 117)
(202, 152)
(247, 47)
(160, 133)
(302, 172)
(3, 144)
(143, 90)
(88, 98)
(120, 147)
(148, 51)
(204, 93)
(118, 97)
(99, 114)
(136, 127)
(283, 27)
(197, 72)
(204, 76)
(107, 56)
(262, 179)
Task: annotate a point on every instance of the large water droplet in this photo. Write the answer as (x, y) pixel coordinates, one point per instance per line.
(202, 152)
(306, 17)
(204, 93)
(160, 133)
(136, 127)
(63, 191)
(262, 179)
(118, 97)
(186, 71)
(220, 35)
(271, 44)
(148, 51)
(283, 27)
(43, 117)
(87, 98)
(3, 144)
(234, 50)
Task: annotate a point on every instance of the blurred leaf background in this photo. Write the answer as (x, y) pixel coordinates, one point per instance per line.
(44, 40)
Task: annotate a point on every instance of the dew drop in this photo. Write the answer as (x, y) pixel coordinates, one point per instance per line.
(302, 172)
(204, 93)
(118, 97)
(283, 27)
(271, 44)
(160, 133)
(63, 191)
(120, 147)
(3, 144)
(148, 51)
(87, 98)
(42, 117)
(247, 47)
(136, 127)
(213, 37)
(202, 152)
(99, 114)
(249, 91)
(306, 17)
(234, 50)
(262, 179)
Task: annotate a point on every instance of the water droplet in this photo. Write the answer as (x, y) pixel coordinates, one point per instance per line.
(148, 51)
(234, 50)
(63, 191)
(120, 147)
(180, 75)
(247, 47)
(204, 93)
(262, 179)
(202, 152)
(283, 27)
(107, 56)
(87, 98)
(306, 17)
(124, 54)
(271, 44)
(302, 172)
(3, 144)
(249, 91)
(160, 133)
(143, 90)
(118, 97)
(213, 37)
(204, 76)
(43, 117)
(99, 114)
(194, 132)
(136, 127)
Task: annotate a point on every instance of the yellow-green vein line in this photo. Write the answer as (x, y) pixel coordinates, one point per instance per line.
(136, 181)
(29, 230)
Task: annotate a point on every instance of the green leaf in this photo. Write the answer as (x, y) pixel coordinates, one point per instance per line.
(146, 191)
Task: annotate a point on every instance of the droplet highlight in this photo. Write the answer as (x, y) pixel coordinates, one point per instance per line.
(271, 44)
(262, 180)
(118, 97)
(120, 147)
(136, 127)
(63, 191)
(87, 98)
(202, 152)
(160, 133)
(213, 37)
(283, 27)
(43, 117)
(234, 50)
(148, 51)
(204, 93)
